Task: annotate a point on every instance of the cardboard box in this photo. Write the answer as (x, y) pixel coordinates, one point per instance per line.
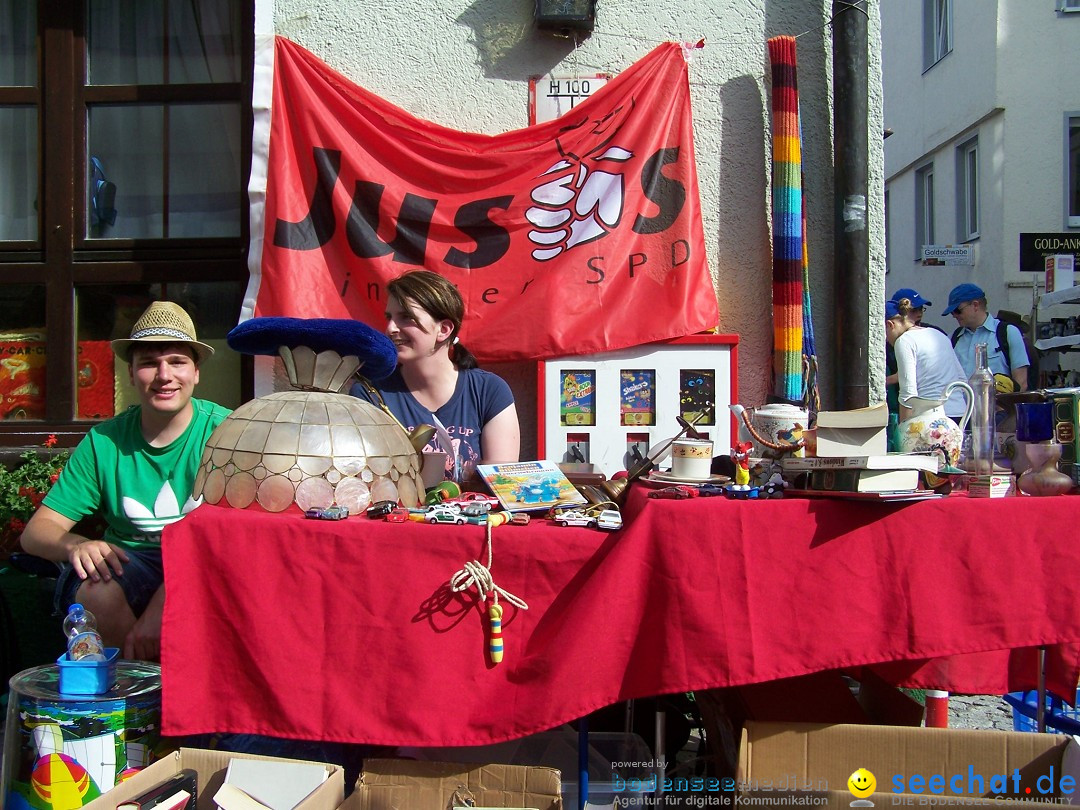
(211, 766)
(912, 767)
(402, 784)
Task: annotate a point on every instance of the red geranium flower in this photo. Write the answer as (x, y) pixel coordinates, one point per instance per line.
(51, 440)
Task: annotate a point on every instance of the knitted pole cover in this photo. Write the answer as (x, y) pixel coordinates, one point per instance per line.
(787, 217)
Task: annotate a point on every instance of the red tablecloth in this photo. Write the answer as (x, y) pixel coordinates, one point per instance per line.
(347, 630)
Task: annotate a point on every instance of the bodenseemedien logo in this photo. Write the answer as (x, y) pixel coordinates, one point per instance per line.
(862, 785)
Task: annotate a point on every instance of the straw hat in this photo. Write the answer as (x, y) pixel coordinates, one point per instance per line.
(162, 322)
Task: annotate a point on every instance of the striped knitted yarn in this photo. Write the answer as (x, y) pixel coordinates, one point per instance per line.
(787, 215)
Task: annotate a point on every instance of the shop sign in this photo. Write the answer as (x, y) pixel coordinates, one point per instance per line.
(948, 255)
(1035, 247)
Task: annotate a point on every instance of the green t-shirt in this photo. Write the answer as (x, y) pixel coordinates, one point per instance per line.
(138, 489)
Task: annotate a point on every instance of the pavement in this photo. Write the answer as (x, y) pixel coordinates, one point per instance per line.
(989, 712)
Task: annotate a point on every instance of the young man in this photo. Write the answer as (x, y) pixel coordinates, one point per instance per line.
(136, 470)
(967, 303)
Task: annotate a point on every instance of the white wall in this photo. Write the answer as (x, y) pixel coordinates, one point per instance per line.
(466, 64)
(1004, 80)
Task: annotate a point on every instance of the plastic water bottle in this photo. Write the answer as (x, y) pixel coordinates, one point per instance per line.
(84, 641)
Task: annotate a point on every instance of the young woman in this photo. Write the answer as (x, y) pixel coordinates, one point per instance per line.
(925, 360)
(437, 381)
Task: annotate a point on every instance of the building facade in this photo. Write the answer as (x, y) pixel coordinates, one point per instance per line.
(147, 113)
(985, 143)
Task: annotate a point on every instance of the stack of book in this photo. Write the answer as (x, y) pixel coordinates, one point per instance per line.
(887, 472)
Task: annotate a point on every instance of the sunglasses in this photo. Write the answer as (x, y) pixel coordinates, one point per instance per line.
(960, 309)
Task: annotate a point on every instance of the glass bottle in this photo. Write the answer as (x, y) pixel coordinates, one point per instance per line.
(982, 414)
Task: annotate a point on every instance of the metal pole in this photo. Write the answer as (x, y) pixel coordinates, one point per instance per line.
(851, 186)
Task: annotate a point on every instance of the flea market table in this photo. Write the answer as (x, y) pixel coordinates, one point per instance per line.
(347, 631)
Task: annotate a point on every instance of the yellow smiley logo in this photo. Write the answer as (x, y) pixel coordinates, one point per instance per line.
(862, 783)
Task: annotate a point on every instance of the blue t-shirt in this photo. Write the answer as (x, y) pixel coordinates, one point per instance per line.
(478, 397)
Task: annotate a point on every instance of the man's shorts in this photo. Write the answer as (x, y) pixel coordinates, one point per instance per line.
(143, 575)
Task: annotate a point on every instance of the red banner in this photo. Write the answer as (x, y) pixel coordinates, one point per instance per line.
(573, 236)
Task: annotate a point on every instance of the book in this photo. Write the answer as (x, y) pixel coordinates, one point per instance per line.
(177, 793)
(862, 480)
(856, 432)
(870, 417)
(277, 784)
(880, 497)
(526, 486)
(889, 461)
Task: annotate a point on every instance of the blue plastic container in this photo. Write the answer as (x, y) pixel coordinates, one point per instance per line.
(1059, 715)
(88, 677)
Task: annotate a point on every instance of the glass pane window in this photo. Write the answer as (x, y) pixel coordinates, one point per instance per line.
(937, 31)
(967, 190)
(105, 313)
(18, 172)
(1073, 173)
(924, 209)
(18, 49)
(175, 171)
(192, 42)
(22, 351)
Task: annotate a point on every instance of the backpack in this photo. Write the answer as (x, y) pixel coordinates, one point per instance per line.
(102, 196)
(1002, 334)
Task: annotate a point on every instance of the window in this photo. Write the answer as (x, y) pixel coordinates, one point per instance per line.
(937, 31)
(924, 209)
(142, 112)
(1072, 172)
(967, 191)
(1068, 5)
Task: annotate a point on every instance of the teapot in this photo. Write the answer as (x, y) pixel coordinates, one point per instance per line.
(775, 429)
(928, 428)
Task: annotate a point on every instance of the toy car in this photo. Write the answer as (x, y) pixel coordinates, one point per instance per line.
(677, 492)
(474, 508)
(477, 497)
(609, 520)
(398, 515)
(520, 519)
(574, 517)
(440, 514)
(327, 513)
(710, 490)
(381, 509)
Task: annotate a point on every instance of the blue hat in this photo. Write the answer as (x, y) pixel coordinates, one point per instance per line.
(913, 296)
(891, 310)
(962, 293)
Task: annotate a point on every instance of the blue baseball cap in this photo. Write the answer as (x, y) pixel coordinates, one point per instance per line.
(891, 310)
(961, 294)
(913, 296)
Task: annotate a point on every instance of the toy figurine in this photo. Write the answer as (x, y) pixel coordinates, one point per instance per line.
(741, 454)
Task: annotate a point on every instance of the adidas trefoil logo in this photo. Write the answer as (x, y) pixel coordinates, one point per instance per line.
(166, 511)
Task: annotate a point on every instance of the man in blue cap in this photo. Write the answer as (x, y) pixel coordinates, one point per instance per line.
(967, 303)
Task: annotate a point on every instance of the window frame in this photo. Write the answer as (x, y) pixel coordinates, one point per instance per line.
(937, 31)
(63, 258)
(924, 209)
(967, 191)
(1068, 6)
(1071, 174)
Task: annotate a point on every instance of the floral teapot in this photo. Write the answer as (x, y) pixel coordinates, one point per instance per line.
(928, 428)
